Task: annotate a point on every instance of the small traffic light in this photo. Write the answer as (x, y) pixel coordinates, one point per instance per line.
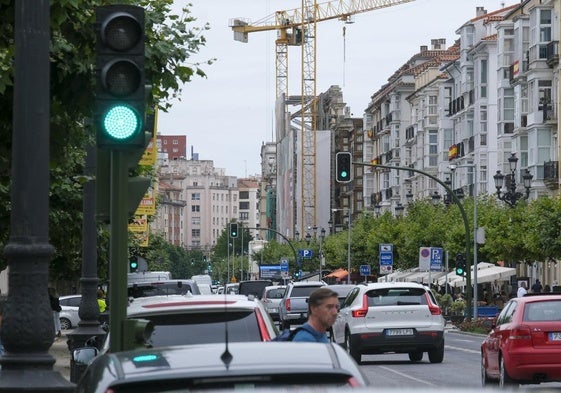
(133, 265)
(343, 167)
(120, 77)
(460, 265)
(233, 230)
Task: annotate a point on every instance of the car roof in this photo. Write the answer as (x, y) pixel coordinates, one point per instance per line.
(204, 360)
(172, 303)
(308, 283)
(529, 298)
(393, 284)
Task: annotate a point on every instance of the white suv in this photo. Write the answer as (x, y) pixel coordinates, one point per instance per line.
(400, 317)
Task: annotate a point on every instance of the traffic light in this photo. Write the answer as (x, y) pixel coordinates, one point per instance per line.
(343, 167)
(120, 98)
(461, 265)
(133, 265)
(233, 230)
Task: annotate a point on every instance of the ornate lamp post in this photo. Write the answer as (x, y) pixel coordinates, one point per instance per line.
(511, 196)
(377, 209)
(435, 198)
(399, 210)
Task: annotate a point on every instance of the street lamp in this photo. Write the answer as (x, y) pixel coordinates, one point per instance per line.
(409, 197)
(399, 209)
(435, 198)
(511, 196)
(308, 237)
(321, 237)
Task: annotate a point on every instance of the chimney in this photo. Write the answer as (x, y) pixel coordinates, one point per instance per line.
(479, 11)
(438, 44)
(424, 48)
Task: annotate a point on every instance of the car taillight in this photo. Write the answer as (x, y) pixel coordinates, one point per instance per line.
(433, 308)
(520, 333)
(265, 336)
(361, 312)
(287, 304)
(353, 383)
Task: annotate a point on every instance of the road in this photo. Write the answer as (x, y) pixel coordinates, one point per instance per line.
(460, 368)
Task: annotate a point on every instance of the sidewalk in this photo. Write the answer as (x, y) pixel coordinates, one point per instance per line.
(59, 350)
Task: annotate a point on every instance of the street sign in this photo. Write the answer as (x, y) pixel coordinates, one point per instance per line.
(386, 258)
(365, 270)
(436, 257)
(284, 265)
(424, 258)
(305, 253)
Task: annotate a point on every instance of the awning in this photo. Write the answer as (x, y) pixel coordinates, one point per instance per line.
(488, 275)
(398, 275)
(424, 277)
(453, 277)
(339, 273)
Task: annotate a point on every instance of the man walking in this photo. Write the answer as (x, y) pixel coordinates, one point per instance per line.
(522, 291)
(323, 307)
(537, 287)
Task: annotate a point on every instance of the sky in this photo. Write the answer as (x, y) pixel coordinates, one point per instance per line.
(228, 115)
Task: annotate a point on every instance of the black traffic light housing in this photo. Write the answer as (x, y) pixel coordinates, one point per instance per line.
(120, 99)
(343, 167)
(461, 265)
(233, 230)
(133, 264)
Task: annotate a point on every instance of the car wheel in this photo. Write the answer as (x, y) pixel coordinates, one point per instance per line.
(485, 380)
(65, 324)
(415, 356)
(504, 379)
(352, 348)
(436, 355)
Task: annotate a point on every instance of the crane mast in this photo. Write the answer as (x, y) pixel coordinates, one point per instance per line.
(297, 27)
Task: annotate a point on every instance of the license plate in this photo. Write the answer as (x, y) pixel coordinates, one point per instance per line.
(273, 310)
(399, 332)
(554, 336)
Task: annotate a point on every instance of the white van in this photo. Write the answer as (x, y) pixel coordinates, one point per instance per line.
(148, 276)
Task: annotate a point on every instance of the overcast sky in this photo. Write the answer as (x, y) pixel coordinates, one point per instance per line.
(229, 115)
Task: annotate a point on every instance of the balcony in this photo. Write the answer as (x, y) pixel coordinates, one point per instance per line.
(551, 174)
(552, 53)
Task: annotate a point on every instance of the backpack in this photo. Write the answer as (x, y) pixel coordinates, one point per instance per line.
(287, 334)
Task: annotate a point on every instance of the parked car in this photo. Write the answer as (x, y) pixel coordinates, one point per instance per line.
(231, 288)
(524, 345)
(163, 287)
(271, 298)
(253, 287)
(401, 317)
(196, 319)
(217, 367)
(293, 308)
(69, 315)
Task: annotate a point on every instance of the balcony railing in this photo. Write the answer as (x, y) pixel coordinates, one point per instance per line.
(552, 53)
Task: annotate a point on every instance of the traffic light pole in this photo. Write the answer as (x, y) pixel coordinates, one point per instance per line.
(464, 217)
(118, 249)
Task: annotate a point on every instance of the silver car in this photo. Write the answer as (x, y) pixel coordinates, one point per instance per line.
(271, 298)
(220, 367)
(69, 315)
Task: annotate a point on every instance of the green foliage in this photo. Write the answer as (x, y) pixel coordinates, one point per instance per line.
(172, 40)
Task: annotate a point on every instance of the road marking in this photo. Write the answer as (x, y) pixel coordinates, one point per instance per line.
(461, 349)
(407, 376)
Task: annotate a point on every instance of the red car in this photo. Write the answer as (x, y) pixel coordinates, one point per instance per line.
(524, 345)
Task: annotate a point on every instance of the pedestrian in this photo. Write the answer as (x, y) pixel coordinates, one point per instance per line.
(537, 287)
(101, 300)
(546, 289)
(55, 306)
(522, 291)
(323, 307)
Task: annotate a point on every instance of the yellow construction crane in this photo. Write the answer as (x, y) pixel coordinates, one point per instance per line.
(297, 27)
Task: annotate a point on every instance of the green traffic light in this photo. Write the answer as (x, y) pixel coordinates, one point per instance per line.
(121, 122)
(459, 271)
(344, 174)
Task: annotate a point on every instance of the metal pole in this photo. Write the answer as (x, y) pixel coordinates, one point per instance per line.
(228, 262)
(349, 246)
(475, 308)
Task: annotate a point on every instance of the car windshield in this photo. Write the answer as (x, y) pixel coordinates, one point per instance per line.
(292, 380)
(396, 297)
(203, 328)
(302, 291)
(276, 293)
(160, 289)
(543, 311)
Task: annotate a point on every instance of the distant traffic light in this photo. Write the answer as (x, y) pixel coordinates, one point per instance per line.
(233, 230)
(343, 167)
(461, 265)
(120, 95)
(133, 265)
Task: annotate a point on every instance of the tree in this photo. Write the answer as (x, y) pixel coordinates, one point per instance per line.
(172, 41)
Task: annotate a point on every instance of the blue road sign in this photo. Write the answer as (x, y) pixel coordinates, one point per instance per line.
(284, 265)
(364, 270)
(386, 258)
(305, 253)
(436, 257)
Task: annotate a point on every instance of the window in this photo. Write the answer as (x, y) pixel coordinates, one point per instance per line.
(244, 194)
(196, 196)
(196, 208)
(483, 76)
(195, 233)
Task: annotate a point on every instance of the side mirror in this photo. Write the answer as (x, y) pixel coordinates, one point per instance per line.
(84, 356)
